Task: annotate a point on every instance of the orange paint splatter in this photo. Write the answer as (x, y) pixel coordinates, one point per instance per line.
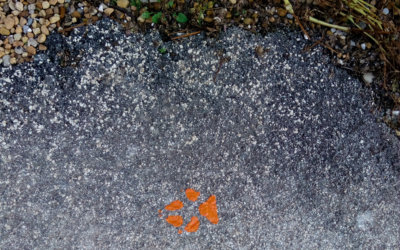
(191, 194)
(159, 211)
(159, 215)
(175, 205)
(175, 220)
(180, 231)
(193, 225)
(209, 209)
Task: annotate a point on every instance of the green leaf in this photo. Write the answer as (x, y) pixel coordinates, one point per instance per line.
(162, 50)
(181, 18)
(156, 18)
(146, 15)
(174, 15)
(170, 4)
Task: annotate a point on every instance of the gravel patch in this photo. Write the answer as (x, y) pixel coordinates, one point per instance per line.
(91, 152)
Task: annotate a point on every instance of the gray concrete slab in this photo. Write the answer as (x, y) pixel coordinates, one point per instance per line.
(285, 142)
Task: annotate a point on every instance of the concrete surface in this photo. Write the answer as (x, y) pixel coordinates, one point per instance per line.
(285, 142)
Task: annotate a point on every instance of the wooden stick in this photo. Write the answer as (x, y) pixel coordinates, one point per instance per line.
(190, 34)
(304, 50)
(73, 27)
(181, 31)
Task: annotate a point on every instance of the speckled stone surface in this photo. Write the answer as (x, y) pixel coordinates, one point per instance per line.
(286, 142)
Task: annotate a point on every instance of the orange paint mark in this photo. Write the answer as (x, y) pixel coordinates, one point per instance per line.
(180, 231)
(175, 220)
(191, 194)
(209, 209)
(175, 205)
(193, 225)
(159, 215)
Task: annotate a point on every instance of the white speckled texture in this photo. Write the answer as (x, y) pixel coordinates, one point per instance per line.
(88, 155)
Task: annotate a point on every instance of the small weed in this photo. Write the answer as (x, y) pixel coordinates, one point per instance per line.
(181, 18)
(146, 15)
(156, 18)
(162, 50)
(136, 3)
(170, 4)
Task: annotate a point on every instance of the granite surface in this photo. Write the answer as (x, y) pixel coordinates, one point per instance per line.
(285, 141)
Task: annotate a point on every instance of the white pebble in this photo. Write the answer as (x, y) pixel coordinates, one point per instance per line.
(363, 46)
(333, 30)
(385, 11)
(352, 43)
(368, 77)
(305, 36)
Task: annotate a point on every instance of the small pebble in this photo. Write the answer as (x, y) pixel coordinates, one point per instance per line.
(363, 46)
(30, 21)
(19, 50)
(333, 30)
(6, 60)
(368, 77)
(352, 43)
(32, 42)
(25, 28)
(290, 16)
(385, 11)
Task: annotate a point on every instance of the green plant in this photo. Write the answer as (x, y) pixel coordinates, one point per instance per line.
(136, 3)
(170, 4)
(181, 18)
(162, 50)
(146, 15)
(113, 1)
(156, 18)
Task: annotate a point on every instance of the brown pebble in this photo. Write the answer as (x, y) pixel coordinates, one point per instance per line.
(49, 11)
(42, 47)
(56, 10)
(208, 19)
(20, 60)
(119, 14)
(4, 31)
(62, 12)
(22, 21)
(31, 1)
(30, 35)
(76, 14)
(282, 12)
(31, 50)
(8, 46)
(24, 13)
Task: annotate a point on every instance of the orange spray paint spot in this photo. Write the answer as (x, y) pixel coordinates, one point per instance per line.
(159, 215)
(175, 220)
(191, 194)
(209, 209)
(193, 225)
(175, 205)
(180, 231)
(159, 211)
